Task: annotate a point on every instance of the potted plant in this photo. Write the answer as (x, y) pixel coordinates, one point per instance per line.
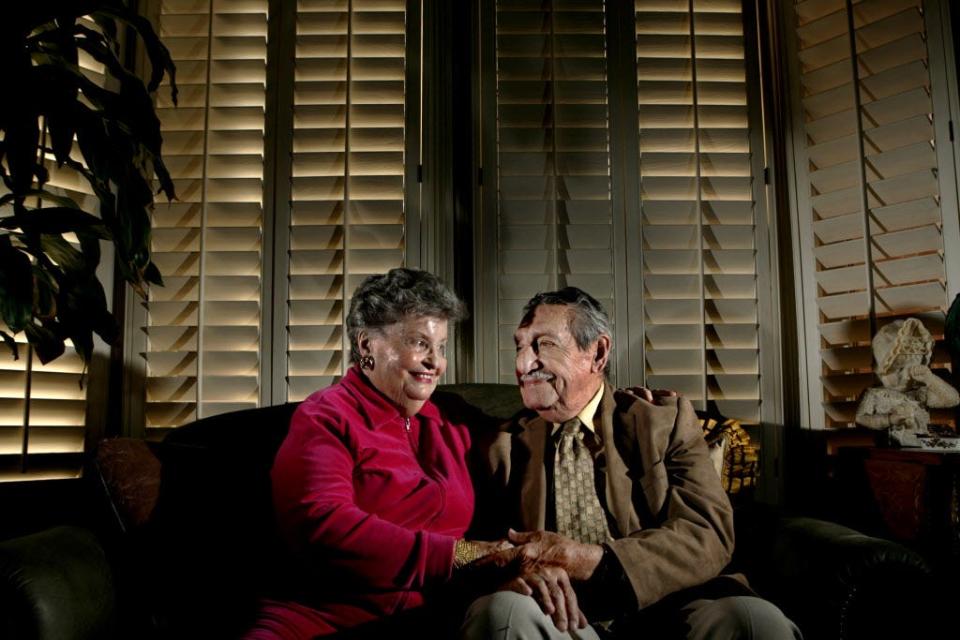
(109, 135)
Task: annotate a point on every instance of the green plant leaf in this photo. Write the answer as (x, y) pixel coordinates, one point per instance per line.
(89, 246)
(11, 344)
(108, 26)
(59, 98)
(83, 311)
(21, 130)
(152, 275)
(20, 142)
(56, 220)
(43, 194)
(159, 55)
(163, 177)
(16, 286)
(64, 254)
(44, 294)
(46, 344)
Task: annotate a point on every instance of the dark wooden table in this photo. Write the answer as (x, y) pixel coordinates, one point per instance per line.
(917, 493)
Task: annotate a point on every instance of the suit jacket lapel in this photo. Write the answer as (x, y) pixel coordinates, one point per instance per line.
(619, 489)
(533, 492)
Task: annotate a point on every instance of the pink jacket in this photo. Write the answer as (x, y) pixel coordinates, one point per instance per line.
(372, 503)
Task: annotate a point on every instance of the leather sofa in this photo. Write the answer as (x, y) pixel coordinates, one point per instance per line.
(189, 545)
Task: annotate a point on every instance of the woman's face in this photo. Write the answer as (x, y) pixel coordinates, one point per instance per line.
(409, 357)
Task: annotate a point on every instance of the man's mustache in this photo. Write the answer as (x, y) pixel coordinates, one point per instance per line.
(536, 375)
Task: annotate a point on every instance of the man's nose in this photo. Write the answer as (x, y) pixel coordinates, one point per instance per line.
(526, 358)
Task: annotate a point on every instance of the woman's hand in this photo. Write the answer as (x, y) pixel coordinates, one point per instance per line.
(550, 586)
(653, 396)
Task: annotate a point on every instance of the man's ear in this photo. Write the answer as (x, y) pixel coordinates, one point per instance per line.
(602, 354)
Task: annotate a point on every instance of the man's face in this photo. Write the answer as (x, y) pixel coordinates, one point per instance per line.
(557, 379)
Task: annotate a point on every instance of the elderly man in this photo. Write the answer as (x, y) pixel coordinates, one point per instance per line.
(624, 521)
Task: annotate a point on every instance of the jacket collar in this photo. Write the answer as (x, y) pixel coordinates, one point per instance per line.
(378, 408)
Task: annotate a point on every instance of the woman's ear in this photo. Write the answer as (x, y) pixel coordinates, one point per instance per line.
(602, 353)
(363, 342)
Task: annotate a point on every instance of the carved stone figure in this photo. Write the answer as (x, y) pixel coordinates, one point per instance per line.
(902, 351)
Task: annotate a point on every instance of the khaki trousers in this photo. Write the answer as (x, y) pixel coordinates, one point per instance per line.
(506, 615)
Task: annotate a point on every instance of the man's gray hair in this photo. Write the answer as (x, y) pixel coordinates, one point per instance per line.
(385, 299)
(588, 321)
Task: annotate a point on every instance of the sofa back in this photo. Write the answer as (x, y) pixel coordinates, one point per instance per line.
(205, 526)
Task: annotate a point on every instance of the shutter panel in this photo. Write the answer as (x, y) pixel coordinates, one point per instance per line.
(55, 420)
(45, 405)
(203, 327)
(554, 225)
(697, 205)
(871, 191)
(347, 191)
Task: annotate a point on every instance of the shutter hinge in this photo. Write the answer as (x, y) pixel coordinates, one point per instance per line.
(951, 130)
(766, 175)
(480, 176)
(419, 173)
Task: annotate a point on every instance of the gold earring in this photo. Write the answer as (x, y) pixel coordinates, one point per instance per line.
(366, 362)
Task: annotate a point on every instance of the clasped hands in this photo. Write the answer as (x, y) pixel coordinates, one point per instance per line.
(544, 565)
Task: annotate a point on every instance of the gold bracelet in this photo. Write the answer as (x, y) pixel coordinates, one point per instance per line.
(465, 552)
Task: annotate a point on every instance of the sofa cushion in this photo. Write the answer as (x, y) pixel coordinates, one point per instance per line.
(130, 473)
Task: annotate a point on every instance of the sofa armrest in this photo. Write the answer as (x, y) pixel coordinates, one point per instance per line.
(55, 584)
(835, 582)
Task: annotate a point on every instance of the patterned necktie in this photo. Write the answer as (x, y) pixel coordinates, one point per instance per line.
(579, 514)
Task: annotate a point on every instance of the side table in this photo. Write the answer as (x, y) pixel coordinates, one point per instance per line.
(917, 493)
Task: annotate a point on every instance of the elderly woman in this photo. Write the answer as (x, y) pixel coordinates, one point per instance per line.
(371, 486)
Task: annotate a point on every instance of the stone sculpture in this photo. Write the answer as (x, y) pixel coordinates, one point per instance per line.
(902, 351)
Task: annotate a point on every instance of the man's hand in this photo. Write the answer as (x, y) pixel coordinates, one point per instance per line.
(653, 396)
(543, 564)
(545, 547)
(550, 587)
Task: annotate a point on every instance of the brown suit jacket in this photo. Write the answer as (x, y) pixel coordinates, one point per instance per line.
(674, 521)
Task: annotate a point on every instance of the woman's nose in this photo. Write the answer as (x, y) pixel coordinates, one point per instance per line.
(432, 357)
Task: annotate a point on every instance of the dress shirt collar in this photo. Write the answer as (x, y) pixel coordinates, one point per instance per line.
(380, 410)
(588, 412)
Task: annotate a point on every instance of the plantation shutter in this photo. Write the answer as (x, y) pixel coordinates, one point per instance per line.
(869, 197)
(43, 408)
(203, 327)
(698, 220)
(347, 192)
(553, 203)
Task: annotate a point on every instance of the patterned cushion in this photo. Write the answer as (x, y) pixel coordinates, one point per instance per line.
(731, 451)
